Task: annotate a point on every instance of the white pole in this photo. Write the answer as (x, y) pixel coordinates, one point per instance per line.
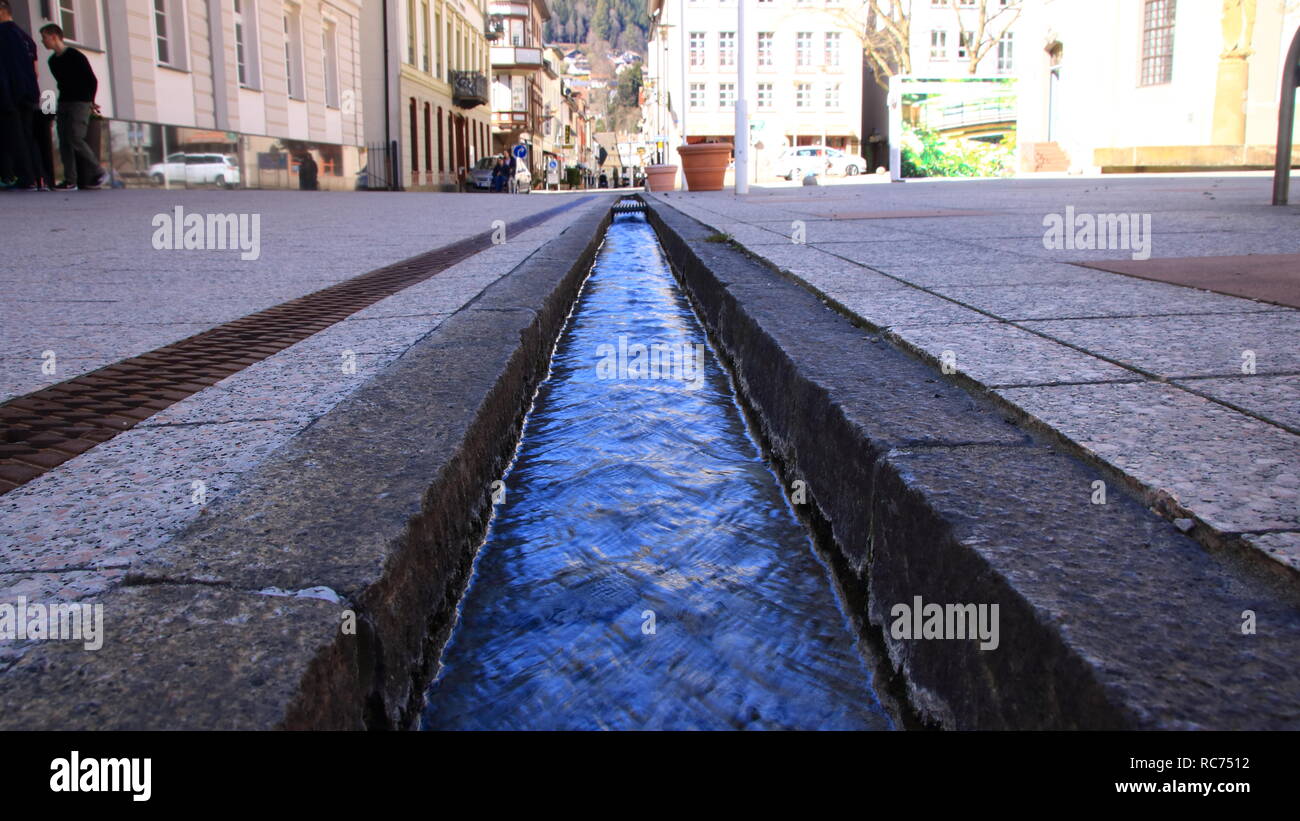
(741, 141)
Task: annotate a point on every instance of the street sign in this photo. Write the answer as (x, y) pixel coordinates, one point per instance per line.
(552, 164)
(520, 151)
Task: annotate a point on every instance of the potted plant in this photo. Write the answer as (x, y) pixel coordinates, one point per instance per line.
(661, 177)
(705, 165)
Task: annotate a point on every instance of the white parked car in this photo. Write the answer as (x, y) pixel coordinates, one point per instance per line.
(797, 161)
(197, 169)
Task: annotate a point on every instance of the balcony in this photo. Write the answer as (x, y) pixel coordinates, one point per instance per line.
(511, 119)
(521, 58)
(469, 89)
(494, 28)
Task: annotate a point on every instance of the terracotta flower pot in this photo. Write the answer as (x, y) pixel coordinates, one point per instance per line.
(705, 164)
(661, 177)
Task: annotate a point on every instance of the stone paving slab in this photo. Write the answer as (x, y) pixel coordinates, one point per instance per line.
(971, 276)
(906, 307)
(125, 498)
(1236, 473)
(305, 243)
(999, 355)
(1276, 398)
(818, 231)
(1187, 244)
(923, 251)
(1175, 346)
(1283, 547)
(1084, 300)
(1011, 320)
(830, 279)
(1110, 616)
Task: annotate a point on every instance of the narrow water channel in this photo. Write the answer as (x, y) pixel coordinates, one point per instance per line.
(644, 570)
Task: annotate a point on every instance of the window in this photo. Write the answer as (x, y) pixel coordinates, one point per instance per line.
(1158, 42)
(727, 96)
(803, 95)
(293, 54)
(437, 50)
(832, 100)
(938, 45)
(764, 95)
(241, 45)
(963, 45)
(803, 48)
(428, 138)
(410, 32)
(424, 39)
(68, 20)
(330, 58)
(415, 140)
(161, 37)
(168, 30)
(697, 48)
(518, 93)
(765, 47)
(832, 56)
(1004, 53)
(697, 97)
(726, 48)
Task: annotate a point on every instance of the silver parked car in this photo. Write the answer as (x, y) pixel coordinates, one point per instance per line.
(197, 169)
(797, 161)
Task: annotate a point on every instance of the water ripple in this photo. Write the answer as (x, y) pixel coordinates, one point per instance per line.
(634, 499)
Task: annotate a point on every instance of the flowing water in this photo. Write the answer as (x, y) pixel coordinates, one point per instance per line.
(644, 570)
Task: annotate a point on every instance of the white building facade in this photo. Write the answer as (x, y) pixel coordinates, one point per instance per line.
(1127, 85)
(804, 74)
(434, 88)
(216, 92)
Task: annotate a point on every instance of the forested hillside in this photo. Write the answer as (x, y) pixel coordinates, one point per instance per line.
(623, 24)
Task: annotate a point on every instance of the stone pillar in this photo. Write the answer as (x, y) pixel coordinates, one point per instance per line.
(1229, 125)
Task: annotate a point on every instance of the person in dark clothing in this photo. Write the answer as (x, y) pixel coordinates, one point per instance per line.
(77, 88)
(43, 138)
(307, 170)
(19, 100)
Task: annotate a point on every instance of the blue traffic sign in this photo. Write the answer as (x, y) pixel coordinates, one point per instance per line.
(521, 151)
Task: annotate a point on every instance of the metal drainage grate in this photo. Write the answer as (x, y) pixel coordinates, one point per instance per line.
(629, 206)
(44, 429)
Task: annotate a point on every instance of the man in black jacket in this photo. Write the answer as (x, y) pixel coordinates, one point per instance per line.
(77, 88)
(19, 98)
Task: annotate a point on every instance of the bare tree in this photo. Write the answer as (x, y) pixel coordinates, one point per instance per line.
(989, 28)
(883, 28)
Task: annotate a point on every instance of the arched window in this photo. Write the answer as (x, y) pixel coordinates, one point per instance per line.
(442, 166)
(428, 139)
(415, 140)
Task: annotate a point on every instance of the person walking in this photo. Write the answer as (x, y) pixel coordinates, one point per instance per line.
(307, 173)
(77, 88)
(19, 101)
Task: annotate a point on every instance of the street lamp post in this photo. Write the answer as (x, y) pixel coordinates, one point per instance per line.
(741, 142)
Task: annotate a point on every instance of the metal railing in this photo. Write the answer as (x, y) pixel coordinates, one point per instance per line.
(469, 88)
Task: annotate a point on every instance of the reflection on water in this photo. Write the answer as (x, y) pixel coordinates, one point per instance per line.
(644, 570)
